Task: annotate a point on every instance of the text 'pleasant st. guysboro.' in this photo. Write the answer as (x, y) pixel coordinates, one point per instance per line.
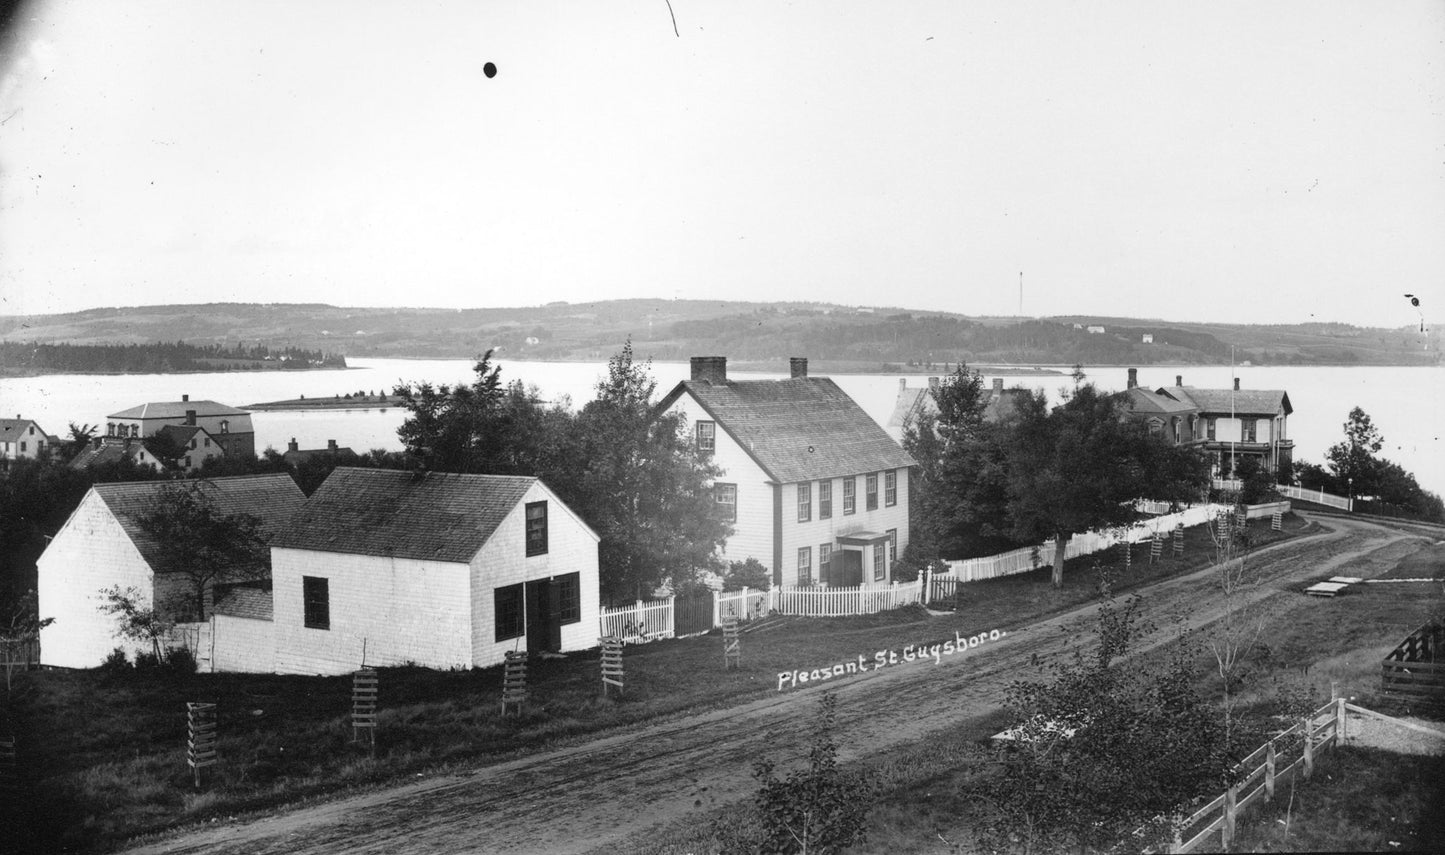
(883, 658)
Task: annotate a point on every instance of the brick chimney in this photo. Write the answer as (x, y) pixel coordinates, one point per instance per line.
(1236, 384)
(191, 417)
(997, 386)
(712, 369)
(1178, 379)
(292, 446)
(902, 383)
(330, 445)
(185, 398)
(1133, 377)
(799, 366)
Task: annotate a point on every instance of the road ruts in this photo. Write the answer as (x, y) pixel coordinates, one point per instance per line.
(596, 795)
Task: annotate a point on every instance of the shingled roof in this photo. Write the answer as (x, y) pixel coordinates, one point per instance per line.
(1142, 400)
(436, 516)
(800, 429)
(273, 499)
(1250, 401)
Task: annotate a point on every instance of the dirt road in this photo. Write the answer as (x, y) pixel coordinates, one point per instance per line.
(595, 795)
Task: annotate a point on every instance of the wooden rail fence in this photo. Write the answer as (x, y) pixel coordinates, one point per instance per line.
(200, 738)
(1415, 669)
(365, 685)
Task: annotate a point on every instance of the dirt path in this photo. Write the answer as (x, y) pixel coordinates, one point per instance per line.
(597, 794)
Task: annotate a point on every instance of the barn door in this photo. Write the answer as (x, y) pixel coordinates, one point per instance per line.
(539, 615)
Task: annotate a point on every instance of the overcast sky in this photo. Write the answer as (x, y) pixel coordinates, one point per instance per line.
(1270, 162)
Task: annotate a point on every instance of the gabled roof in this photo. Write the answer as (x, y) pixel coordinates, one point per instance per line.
(436, 516)
(181, 434)
(177, 410)
(1266, 402)
(914, 401)
(12, 430)
(1142, 400)
(800, 429)
(301, 455)
(274, 499)
(110, 452)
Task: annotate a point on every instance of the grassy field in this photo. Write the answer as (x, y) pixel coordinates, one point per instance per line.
(104, 754)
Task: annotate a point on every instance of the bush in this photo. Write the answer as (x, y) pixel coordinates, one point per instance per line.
(747, 574)
(146, 661)
(181, 661)
(117, 662)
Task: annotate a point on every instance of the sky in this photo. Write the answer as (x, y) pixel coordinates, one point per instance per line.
(1247, 162)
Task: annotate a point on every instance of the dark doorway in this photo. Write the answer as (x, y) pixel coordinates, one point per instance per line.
(693, 613)
(852, 568)
(543, 631)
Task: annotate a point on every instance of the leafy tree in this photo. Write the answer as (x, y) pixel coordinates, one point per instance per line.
(748, 573)
(80, 436)
(1354, 470)
(20, 624)
(139, 624)
(199, 543)
(819, 809)
(1354, 457)
(643, 485)
(455, 428)
(1100, 750)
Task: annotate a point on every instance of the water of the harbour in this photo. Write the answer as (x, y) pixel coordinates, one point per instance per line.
(1404, 403)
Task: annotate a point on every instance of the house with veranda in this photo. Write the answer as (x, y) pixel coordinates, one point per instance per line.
(815, 489)
(444, 570)
(103, 545)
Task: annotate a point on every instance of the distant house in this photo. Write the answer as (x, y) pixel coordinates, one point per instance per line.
(22, 438)
(296, 455)
(105, 450)
(228, 426)
(1096, 330)
(914, 401)
(1147, 338)
(444, 570)
(1232, 424)
(186, 447)
(102, 545)
(815, 490)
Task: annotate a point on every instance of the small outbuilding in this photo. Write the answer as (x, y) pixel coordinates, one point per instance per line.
(443, 570)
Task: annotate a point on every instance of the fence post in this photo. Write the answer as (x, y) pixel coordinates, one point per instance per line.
(926, 577)
(637, 620)
(1269, 772)
(1339, 721)
(1226, 833)
(672, 616)
(717, 609)
(1308, 723)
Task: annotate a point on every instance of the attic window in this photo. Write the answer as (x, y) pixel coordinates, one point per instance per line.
(707, 436)
(536, 528)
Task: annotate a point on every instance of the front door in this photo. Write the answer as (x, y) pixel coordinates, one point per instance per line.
(852, 568)
(541, 615)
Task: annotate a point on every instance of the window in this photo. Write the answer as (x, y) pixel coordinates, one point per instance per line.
(890, 488)
(536, 528)
(135, 430)
(805, 502)
(1209, 428)
(208, 442)
(225, 426)
(22, 445)
(316, 602)
(1156, 427)
(193, 442)
(569, 598)
(825, 499)
(110, 428)
(879, 571)
(805, 565)
(726, 496)
(1249, 426)
(507, 610)
(892, 545)
(825, 560)
(187, 461)
(707, 436)
(871, 489)
(850, 487)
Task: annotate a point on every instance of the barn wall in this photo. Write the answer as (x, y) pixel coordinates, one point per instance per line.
(571, 548)
(398, 610)
(243, 644)
(89, 553)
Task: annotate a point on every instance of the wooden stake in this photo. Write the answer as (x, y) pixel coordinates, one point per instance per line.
(611, 664)
(732, 649)
(514, 681)
(365, 685)
(1269, 763)
(200, 738)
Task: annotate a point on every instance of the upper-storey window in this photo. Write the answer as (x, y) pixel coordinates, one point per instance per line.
(1250, 427)
(805, 502)
(871, 491)
(726, 496)
(1209, 428)
(536, 528)
(890, 488)
(707, 436)
(225, 426)
(825, 500)
(850, 490)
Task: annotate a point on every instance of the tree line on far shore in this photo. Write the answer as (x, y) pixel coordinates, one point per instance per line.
(156, 357)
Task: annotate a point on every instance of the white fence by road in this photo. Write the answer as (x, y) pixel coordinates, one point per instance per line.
(644, 621)
(1319, 497)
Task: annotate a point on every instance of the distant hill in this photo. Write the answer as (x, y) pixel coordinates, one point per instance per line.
(834, 337)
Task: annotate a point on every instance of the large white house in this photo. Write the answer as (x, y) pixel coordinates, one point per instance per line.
(229, 427)
(443, 570)
(102, 545)
(815, 489)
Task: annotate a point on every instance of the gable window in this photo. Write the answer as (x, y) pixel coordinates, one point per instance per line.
(225, 426)
(879, 570)
(890, 488)
(825, 560)
(726, 496)
(507, 611)
(707, 436)
(892, 545)
(825, 500)
(193, 442)
(805, 502)
(850, 489)
(208, 442)
(316, 602)
(1249, 426)
(1209, 428)
(569, 598)
(871, 491)
(536, 528)
(805, 565)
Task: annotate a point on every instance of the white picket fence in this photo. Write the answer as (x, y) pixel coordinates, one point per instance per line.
(746, 604)
(644, 621)
(1319, 497)
(838, 602)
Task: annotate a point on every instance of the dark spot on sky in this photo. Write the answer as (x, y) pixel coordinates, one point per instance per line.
(490, 70)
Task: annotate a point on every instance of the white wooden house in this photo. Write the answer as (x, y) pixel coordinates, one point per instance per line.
(443, 570)
(102, 545)
(22, 438)
(815, 489)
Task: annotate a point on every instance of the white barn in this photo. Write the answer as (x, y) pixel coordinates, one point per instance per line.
(442, 570)
(102, 545)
